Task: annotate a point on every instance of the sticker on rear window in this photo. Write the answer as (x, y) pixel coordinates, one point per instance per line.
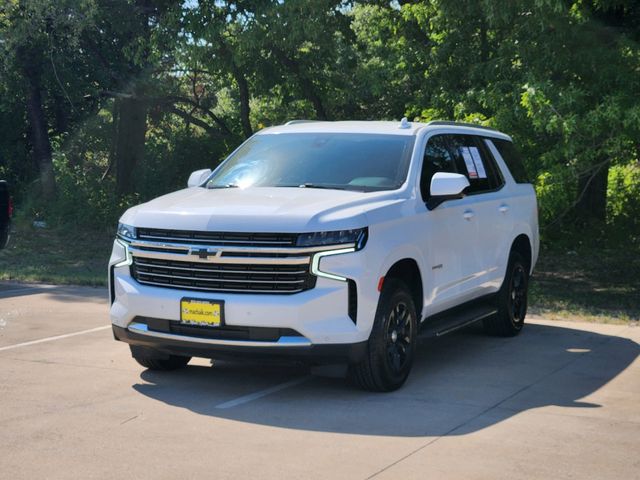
(477, 160)
(468, 161)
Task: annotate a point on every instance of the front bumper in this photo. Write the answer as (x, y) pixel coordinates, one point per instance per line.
(300, 349)
(320, 317)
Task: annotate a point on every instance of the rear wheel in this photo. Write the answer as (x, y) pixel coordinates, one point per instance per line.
(155, 360)
(512, 300)
(391, 345)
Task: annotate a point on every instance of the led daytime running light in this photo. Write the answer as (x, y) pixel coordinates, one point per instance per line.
(315, 263)
(128, 259)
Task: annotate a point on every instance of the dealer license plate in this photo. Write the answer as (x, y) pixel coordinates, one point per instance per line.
(194, 311)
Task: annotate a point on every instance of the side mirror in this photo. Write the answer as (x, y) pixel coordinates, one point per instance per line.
(197, 177)
(446, 186)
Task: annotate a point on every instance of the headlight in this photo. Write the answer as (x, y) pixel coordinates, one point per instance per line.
(356, 237)
(126, 232)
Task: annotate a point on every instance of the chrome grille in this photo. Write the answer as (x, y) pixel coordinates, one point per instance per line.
(223, 277)
(218, 238)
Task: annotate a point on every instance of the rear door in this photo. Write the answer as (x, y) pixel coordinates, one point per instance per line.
(487, 208)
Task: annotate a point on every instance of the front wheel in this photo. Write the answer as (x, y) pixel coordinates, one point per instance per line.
(391, 345)
(154, 360)
(512, 300)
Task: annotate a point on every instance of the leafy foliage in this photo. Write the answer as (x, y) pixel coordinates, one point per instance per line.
(562, 77)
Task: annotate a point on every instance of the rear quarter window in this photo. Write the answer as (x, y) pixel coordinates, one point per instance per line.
(476, 163)
(513, 159)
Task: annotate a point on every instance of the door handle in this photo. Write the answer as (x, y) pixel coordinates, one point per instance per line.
(504, 208)
(468, 214)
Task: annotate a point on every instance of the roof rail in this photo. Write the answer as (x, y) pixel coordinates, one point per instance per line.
(460, 124)
(293, 122)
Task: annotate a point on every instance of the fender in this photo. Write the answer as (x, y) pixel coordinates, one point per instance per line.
(403, 252)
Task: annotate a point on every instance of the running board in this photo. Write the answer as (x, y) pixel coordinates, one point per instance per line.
(460, 317)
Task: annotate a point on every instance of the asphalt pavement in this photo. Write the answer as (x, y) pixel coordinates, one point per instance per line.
(561, 400)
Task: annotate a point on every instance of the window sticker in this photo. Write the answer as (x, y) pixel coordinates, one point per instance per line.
(468, 161)
(477, 160)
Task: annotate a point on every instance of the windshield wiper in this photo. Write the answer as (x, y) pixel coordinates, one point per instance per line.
(319, 185)
(227, 185)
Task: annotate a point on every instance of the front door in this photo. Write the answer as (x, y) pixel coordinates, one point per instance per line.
(449, 242)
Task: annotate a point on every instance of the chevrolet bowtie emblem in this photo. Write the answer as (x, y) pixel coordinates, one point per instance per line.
(202, 253)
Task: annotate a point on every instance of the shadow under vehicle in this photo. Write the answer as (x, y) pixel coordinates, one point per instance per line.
(462, 383)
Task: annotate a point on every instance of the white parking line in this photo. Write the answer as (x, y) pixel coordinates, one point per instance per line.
(51, 339)
(8, 293)
(262, 393)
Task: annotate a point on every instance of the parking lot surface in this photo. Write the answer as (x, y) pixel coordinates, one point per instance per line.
(562, 400)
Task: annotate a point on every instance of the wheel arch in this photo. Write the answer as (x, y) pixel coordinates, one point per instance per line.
(408, 271)
(522, 245)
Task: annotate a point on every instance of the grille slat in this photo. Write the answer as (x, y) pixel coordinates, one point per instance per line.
(268, 269)
(219, 238)
(208, 289)
(245, 278)
(219, 279)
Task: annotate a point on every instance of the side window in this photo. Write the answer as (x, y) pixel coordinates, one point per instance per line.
(473, 159)
(512, 158)
(437, 158)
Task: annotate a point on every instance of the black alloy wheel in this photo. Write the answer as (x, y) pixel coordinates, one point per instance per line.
(399, 337)
(511, 300)
(391, 344)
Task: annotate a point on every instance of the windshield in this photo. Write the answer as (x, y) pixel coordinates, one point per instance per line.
(344, 161)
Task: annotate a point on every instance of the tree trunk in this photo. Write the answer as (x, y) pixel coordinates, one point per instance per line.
(130, 122)
(484, 43)
(39, 134)
(591, 204)
(243, 89)
(61, 119)
(309, 90)
(130, 133)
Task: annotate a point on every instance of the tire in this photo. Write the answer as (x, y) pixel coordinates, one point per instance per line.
(392, 343)
(153, 360)
(512, 300)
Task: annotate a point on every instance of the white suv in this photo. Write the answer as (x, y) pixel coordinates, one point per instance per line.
(331, 242)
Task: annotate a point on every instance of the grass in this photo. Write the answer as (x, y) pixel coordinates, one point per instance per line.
(588, 285)
(56, 255)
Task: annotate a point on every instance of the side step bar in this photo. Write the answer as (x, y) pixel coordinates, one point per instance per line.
(457, 318)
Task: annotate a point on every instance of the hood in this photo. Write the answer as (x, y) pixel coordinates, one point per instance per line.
(282, 210)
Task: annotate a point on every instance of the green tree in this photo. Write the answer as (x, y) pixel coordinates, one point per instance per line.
(36, 38)
(552, 73)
